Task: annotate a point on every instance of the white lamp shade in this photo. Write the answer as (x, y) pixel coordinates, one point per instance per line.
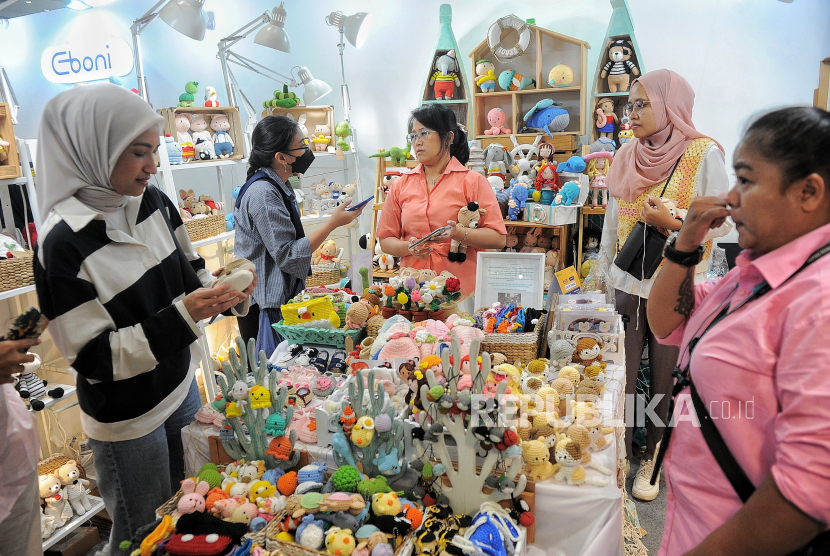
(356, 28)
(186, 17)
(314, 88)
(273, 35)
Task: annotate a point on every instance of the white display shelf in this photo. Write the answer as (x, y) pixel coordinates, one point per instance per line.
(74, 523)
(208, 164)
(48, 402)
(214, 239)
(8, 294)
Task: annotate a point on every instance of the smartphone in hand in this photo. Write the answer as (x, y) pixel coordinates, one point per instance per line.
(360, 204)
(432, 236)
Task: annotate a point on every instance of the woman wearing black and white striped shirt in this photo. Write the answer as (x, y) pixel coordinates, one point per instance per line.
(117, 276)
(269, 232)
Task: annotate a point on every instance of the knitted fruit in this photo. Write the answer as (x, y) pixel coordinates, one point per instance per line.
(346, 478)
(287, 484)
(211, 477)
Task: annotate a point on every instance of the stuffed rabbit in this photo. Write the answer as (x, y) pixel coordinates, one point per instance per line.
(193, 499)
(530, 241)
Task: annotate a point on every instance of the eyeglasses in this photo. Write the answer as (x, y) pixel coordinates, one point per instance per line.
(305, 146)
(422, 135)
(636, 106)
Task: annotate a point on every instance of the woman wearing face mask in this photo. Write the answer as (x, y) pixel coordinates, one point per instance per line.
(269, 231)
(123, 288)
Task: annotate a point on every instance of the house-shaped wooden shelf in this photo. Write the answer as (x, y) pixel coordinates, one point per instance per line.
(619, 28)
(460, 101)
(547, 49)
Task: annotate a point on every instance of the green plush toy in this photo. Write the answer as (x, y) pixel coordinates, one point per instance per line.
(342, 130)
(282, 99)
(346, 478)
(398, 155)
(370, 487)
(187, 98)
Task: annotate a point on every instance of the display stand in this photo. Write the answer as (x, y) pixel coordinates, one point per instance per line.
(584, 215)
(460, 103)
(547, 50)
(619, 27)
(74, 523)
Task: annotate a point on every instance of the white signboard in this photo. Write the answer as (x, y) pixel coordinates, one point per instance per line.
(92, 59)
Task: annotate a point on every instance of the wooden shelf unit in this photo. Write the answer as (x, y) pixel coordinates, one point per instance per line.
(547, 50)
(584, 213)
(384, 165)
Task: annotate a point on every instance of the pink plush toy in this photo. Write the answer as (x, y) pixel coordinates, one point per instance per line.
(496, 118)
(194, 497)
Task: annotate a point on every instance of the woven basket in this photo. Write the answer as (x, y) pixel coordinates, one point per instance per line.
(515, 347)
(203, 228)
(17, 272)
(374, 325)
(282, 548)
(52, 464)
(323, 275)
(260, 538)
(298, 334)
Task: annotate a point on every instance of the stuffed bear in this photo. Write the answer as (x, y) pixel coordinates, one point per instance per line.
(76, 491)
(619, 66)
(56, 507)
(215, 208)
(468, 217)
(326, 254)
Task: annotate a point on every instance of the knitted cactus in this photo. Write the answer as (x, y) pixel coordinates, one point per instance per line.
(465, 491)
(254, 445)
(370, 456)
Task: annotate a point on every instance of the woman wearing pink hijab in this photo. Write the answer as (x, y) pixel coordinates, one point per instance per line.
(670, 160)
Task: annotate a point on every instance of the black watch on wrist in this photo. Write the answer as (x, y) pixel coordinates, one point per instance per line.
(683, 258)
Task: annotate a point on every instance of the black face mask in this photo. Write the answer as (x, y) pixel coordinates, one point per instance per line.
(301, 163)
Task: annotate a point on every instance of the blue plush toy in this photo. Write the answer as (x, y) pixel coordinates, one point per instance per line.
(518, 198)
(230, 222)
(387, 464)
(310, 533)
(574, 165)
(546, 117)
(174, 150)
(567, 195)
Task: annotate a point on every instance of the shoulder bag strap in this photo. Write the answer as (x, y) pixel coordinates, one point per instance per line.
(676, 164)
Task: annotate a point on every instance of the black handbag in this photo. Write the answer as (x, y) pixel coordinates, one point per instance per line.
(642, 252)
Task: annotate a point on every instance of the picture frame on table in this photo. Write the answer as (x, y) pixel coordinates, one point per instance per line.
(510, 277)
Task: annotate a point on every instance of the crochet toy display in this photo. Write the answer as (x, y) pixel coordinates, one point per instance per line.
(256, 406)
(418, 295)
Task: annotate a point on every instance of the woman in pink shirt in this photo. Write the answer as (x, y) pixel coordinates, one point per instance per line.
(430, 195)
(754, 350)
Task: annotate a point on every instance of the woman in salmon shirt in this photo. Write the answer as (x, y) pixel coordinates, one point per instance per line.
(430, 195)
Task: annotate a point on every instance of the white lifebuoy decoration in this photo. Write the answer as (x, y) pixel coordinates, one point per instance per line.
(508, 53)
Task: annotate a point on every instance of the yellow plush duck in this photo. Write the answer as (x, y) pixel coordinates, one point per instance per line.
(363, 431)
(311, 313)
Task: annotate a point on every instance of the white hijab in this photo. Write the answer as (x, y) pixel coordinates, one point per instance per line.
(83, 132)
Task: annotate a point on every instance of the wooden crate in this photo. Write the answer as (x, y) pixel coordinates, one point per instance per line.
(236, 130)
(315, 115)
(9, 168)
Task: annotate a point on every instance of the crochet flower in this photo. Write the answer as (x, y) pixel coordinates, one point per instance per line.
(410, 283)
(403, 299)
(453, 285)
(389, 290)
(426, 298)
(396, 282)
(416, 296)
(433, 288)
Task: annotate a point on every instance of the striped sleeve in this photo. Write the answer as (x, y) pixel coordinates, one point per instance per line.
(180, 231)
(271, 218)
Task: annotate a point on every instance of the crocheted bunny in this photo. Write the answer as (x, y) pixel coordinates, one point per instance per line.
(193, 499)
(75, 487)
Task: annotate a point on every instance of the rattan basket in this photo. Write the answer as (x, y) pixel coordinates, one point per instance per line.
(17, 272)
(323, 275)
(283, 548)
(52, 464)
(170, 506)
(202, 228)
(298, 334)
(516, 348)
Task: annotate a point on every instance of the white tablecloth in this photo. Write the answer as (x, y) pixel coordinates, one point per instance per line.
(585, 520)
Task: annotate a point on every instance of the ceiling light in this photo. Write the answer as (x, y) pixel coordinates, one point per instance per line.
(186, 17)
(273, 35)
